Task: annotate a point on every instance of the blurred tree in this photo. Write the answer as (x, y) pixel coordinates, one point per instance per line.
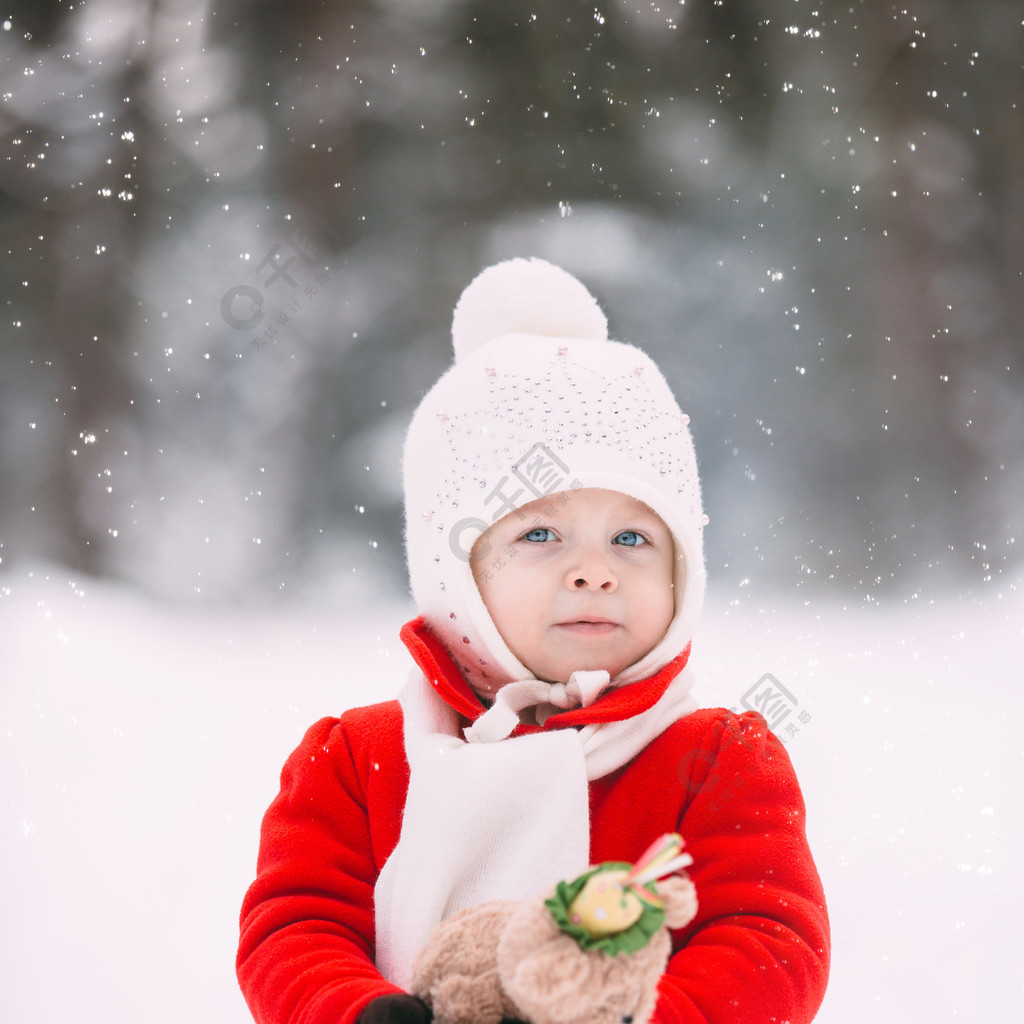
(77, 147)
(810, 214)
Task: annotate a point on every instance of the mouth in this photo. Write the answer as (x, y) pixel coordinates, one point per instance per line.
(596, 626)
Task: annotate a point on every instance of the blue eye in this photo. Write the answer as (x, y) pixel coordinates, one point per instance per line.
(539, 535)
(629, 539)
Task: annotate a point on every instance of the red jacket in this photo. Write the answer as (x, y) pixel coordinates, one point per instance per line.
(758, 950)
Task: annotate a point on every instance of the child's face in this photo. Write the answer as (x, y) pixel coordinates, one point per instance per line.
(578, 580)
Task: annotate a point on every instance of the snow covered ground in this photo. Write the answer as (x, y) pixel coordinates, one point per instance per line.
(139, 746)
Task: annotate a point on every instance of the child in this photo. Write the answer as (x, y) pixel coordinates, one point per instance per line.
(554, 538)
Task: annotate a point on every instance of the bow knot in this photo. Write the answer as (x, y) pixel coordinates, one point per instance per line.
(547, 699)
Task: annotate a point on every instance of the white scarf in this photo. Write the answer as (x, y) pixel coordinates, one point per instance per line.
(497, 817)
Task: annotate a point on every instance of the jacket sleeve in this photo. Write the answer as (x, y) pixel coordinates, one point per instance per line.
(305, 954)
(758, 950)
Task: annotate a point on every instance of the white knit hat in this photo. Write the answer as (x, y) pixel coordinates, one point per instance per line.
(539, 401)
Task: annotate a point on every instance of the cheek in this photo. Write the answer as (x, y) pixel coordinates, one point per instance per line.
(513, 619)
(661, 608)
(503, 598)
(661, 600)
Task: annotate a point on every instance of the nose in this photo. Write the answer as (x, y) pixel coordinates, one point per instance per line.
(591, 573)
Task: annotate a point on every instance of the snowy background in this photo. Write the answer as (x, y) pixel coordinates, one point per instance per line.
(233, 234)
(141, 745)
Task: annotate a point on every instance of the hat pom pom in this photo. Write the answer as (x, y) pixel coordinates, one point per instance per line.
(525, 296)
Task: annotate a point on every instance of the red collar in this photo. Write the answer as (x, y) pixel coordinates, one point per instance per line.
(614, 706)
